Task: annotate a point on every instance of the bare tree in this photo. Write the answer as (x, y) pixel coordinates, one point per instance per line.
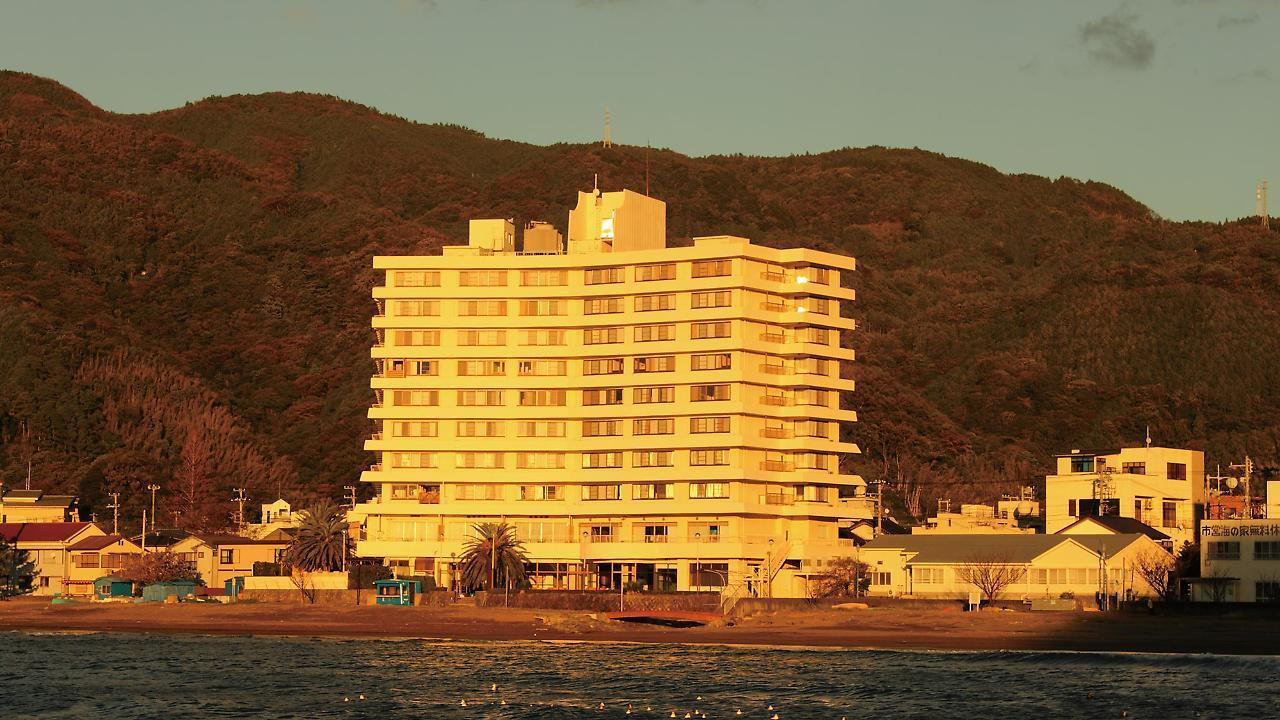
(302, 580)
(1156, 568)
(990, 575)
(1218, 582)
(845, 577)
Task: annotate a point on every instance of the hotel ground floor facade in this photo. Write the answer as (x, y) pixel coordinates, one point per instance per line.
(766, 554)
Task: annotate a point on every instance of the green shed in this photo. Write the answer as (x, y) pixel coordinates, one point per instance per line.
(157, 592)
(112, 586)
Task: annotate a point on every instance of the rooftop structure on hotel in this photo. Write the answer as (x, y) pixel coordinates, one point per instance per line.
(664, 416)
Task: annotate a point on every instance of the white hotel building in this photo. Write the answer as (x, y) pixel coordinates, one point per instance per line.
(669, 416)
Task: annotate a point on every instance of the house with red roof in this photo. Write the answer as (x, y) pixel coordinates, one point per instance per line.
(49, 546)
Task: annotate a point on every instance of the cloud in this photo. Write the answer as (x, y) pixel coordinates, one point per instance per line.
(1228, 22)
(1115, 41)
(1258, 74)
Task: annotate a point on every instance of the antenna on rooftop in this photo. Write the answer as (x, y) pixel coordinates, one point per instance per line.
(1260, 204)
(1148, 436)
(646, 167)
(608, 133)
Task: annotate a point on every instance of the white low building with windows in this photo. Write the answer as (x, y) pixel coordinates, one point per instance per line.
(1239, 561)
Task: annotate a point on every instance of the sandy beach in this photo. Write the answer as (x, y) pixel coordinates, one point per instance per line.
(888, 628)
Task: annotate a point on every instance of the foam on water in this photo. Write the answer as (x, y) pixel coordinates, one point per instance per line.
(162, 676)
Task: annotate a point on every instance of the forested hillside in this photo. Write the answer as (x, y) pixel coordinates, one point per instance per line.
(185, 296)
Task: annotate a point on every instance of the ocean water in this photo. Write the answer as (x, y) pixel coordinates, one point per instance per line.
(110, 676)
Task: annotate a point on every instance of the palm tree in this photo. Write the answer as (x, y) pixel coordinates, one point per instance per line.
(492, 557)
(321, 541)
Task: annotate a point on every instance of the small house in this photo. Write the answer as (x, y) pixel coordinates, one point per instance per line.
(112, 586)
(397, 592)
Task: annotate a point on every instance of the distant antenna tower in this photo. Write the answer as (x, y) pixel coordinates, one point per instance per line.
(1260, 203)
(608, 131)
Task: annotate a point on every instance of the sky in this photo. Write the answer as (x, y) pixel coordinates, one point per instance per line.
(1176, 102)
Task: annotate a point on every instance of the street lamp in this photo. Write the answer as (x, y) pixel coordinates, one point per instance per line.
(582, 577)
(453, 573)
(768, 577)
(697, 555)
(153, 488)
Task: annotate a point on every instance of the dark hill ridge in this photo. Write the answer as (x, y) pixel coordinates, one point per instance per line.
(221, 251)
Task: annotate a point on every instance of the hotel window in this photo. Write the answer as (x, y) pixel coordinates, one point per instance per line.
(540, 428)
(816, 275)
(813, 461)
(478, 460)
(420, 398)
(542, 337)
(1133, 468)
(650, 303)
(601, 335)
(646, 273)
(1266, 550)
(602, 276)
(482, 278)
(706, 458)
(772, 333)
(602, 306)
(417, 308)
(467, 491)
(816, 305)
(473, 338)
(1177, 471)
(1224, 550)
(651, 458)
(477, 368)
(653, 426)
(416, 278)
(813, 428)
(703, 393)
(541, 492)
(652, 491)
(811, 366)
(1169, 515)
(601, 428)
(543, 308)
(411, 492)
(816, 335)
(811, 396)
(707, 491)
(712, 268)
(655, 533)
(1082, 464)
(543, 398)
(480, 428)
(655, 363)
(774, 273)
(601, 492)
(412, 460)
(482, 308)
(602, 396)
(652, 333)
(602, 366)
(706, 330)
(711, 361)
(479, 398)
(709, 424)
(414, 428)
(776, 462)
(658, 394)
(714, 299)
(543, 278)
(417, 337)
(543, 367)
(423, 367)
(598, 460)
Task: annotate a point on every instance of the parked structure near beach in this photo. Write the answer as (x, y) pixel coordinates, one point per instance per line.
(1158, 486)
(668, 416)
(1041, 566)
(219, 557)
(1239, 561)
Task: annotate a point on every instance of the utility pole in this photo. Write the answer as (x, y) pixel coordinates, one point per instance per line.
(239, 501)
(153, 488)
(1260, 196)
(608, 131)
(1247, 466)
(115, 512)
(176, 515)
(351, 495)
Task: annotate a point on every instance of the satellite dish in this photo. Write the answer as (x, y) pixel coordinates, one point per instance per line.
(1233, 483)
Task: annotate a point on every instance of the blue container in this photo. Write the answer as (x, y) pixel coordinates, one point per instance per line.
(110, 586)
(234, 587)
(157, 592)
(396, 592)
